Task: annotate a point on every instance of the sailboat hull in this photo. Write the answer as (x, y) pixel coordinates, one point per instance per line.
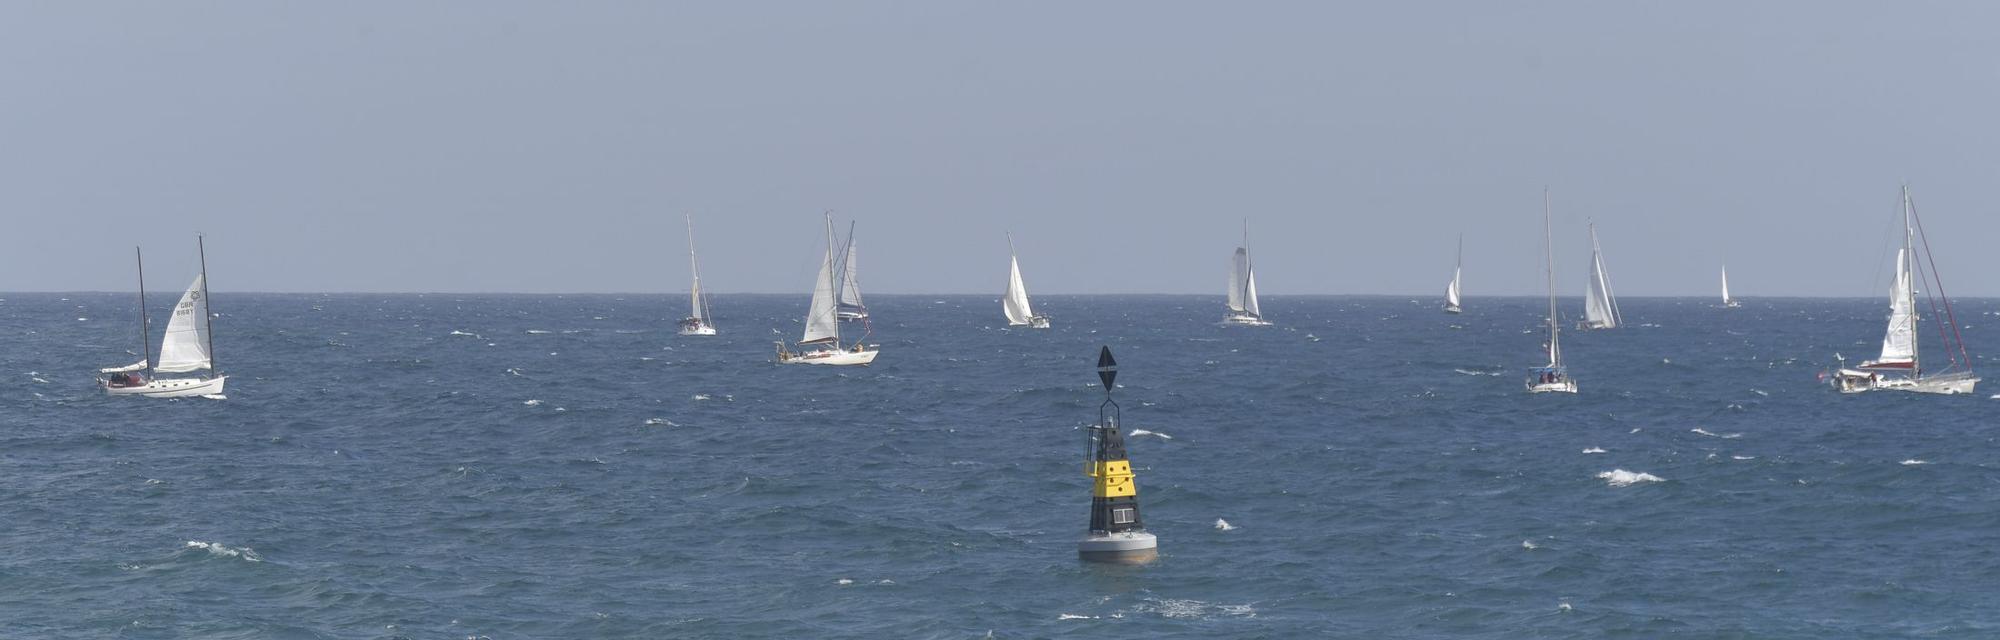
(1452, 309)
(1245, 320)
(1037, 322)
(697, 330)
(830, 357)
(172, 388)
(1564, 386)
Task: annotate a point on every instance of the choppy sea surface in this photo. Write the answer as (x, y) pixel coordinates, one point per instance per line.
(454, 466)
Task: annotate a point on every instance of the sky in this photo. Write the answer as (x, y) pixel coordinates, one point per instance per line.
(555, 147)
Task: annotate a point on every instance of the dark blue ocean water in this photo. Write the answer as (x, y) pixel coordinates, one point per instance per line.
(451, 466)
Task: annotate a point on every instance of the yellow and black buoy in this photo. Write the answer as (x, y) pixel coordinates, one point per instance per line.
(1116, 533)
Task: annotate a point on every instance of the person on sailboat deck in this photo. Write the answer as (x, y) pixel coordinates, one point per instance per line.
(127, 380)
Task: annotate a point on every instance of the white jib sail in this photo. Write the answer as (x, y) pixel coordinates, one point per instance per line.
(850, 283)
(1899, 343)
(1239, 273)
(1451, 290)
(1016, 302)
(1250, 294)
(186, 345)
(822, 325)
(1599, 309)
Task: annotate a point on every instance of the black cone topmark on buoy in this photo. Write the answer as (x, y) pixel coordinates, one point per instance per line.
(1116, 533)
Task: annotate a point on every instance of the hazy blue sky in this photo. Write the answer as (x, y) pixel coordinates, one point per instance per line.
(542, 146)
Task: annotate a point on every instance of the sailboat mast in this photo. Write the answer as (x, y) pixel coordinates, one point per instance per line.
(145, 321)
(207, 307)
(1249, 265)
(832, 281)
(1549, 253)
(694, 269)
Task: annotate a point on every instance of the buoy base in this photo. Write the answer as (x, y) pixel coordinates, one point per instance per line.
(1129, 547)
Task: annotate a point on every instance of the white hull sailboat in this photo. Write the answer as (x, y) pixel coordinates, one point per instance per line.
(188, 347)
(1243, 309)
(1015, 302)
(698, 322)
(1552, 377)
(850, 306)
(1451, 302)
(1727, 302)
(1600, 307)
(821, 342)
(1900, 365)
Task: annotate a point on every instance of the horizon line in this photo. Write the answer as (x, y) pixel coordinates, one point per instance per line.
(3, 294)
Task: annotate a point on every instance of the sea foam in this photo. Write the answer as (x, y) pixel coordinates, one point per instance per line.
(1623, 478)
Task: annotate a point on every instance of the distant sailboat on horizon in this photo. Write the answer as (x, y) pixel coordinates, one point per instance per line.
(1600, 307)
(1552, 377)
(1900, 365)
(1015, 301)
(187, 347)
(1243, 309)
(1451, 302)
(698, 322)
(823, 322)
(1727, 302)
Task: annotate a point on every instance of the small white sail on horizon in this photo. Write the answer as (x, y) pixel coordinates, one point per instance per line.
(1451, 302)
(1600, 307)
(699, 322)
(1243, 308)
(1015, 302)
(1727, 301)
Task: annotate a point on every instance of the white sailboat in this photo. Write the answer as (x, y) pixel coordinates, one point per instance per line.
(1900, 365)
(823, 322)
(698, 322)
(1552, 377)
(1015, 303)
(1243, 288)
(1451, 302)
(188, 347)
(850, 306)
(1727, 302)
(1600, 307)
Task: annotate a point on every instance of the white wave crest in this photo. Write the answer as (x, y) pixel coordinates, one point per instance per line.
(1725, 436)
(1742, 457)
(225, 551)
(1914, 462)
(1142, 432)
(1594, 450)
(539, 331)
(1530, 545)
(1223, 525)
(660, 422)
(1477, 373)
(701, 396)
(1073, 616)
(1196, 609)
(532, 403)
(1623, 478)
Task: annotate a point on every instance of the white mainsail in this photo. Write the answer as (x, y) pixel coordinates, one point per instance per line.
(1899, 342)
(1236, 271)
(1725, 285)
(186, 345)
(822, 323)
(1600, 308)
(1451, 291)
(697, 302)
(1016, 301)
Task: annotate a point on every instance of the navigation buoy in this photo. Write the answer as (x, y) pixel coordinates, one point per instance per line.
(1116, 533)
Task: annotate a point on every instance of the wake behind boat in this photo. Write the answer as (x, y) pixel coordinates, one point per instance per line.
(189, 346)
(823, 322)
(1900, 365)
